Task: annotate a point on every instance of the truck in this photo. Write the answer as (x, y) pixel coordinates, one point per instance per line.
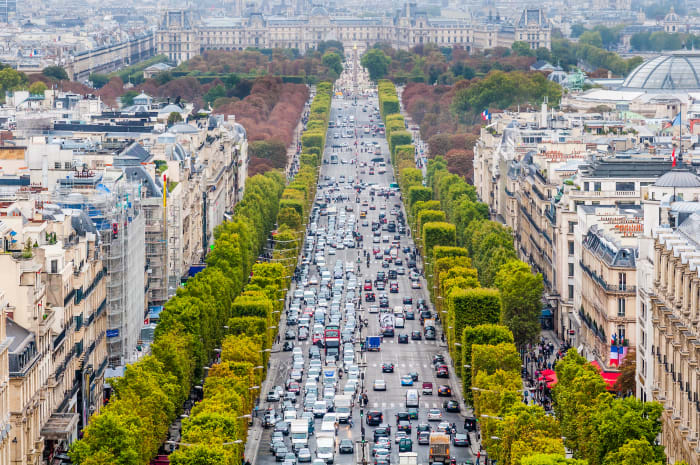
(343, 407)
(386, 324)
(331, 337)
(373, 343)
(299, 431)
(325, 448)
(439, 448)
(408, 458)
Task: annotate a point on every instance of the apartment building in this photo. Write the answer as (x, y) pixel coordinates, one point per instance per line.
(5, 424)
(668, 309)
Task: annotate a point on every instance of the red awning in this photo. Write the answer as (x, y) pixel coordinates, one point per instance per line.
(610, 377)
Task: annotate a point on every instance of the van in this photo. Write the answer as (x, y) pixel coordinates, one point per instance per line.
(412, 398)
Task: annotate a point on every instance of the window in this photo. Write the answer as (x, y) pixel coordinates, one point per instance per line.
(66, 165)
(621, 306)
(597, 187)
(571, 291)
(571, 248)
(620, 334)
(57, 165)
(572, 225)
(622, 281)
(643, 311)
(571, 270)
(54, 266)
(624, 186)
(586, 186)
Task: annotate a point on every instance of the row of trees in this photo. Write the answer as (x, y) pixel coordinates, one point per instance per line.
(146, 400)
(251, 332)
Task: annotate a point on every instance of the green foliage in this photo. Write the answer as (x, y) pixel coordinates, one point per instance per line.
(418, 194)
(437, 233)
(522, 49)
(469, 307)
(490, 334)
(550, 459)
(634, 452)
(127, 98)
(272, 149)
(488, 358)
(521, 300)
(426, 216)
(376, 62)
(398, 138)
(98, 80)
(174, 117)
(37, 88)
(503, 90)
(217, 91)
(11, 80)
(55, 72)
(591, 38)
(333, 61)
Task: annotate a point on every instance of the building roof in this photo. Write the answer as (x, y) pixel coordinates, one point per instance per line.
(625, 167)
(678, 178)
(677, 71)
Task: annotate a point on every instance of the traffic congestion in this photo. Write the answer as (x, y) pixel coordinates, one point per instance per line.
(361, 375)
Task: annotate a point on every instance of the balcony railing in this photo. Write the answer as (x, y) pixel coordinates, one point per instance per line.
(608, 287)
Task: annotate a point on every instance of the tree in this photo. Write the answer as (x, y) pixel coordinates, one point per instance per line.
(550, 459)
(11, 79)
(174, 117)
(626, 384)
(56, 72)
(290, 217)
(214, 93)
(521, 300)
(577, 29)
(98, 80)
(591, 38)
(633, 452)
(522, 49)
(376, 62)
(332, 61)
(37, 88)
(127, 98)
(480, 334)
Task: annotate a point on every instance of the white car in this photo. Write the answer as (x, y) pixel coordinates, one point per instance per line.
(379, 385)
(434, 414)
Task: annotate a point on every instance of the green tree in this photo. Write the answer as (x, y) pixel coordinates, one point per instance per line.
(174, 117)
(550, 459)
(376, 62)
(333, 61)
(56, 72)
(290, 217)
(214, 93)
(10, 80)
(633, 452)
(98, 80)
(591, 38)
(127, 98)
(37, 88)
(577, 29)
(523, 49)
(521, 301)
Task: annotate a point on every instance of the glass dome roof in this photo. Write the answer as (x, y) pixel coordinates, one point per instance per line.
(678, 71)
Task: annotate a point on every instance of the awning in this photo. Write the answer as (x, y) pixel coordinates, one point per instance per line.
(60, 426)
(546, 313)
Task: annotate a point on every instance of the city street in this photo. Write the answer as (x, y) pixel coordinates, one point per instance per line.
(351, 145)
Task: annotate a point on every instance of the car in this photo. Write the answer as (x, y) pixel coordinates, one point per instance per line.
(399, 436)
(303, 335)
(451, 406)
(415, 284)
(402, 416)
(379, 385)
(290, 334)
(374, 309)
(434, 414)
(460, 440)
(404, 425)
(275, 442)
(442, 372)
(413, 375)
(280, 453)
(368, 285)
(410, 315)
(408, 300)
(423, 427)
(416, 335)
(304, 455)
(424, 438)
(273, 396)
(405, 445)
(374, 417)
(394, 287)
(428, 388)
(282, 427)
(370, 297)
(288, 346)
(403, 338)
(406, 380)
(444, 427)
(387, 367)
(438, 359)
(444, 391)
(413, 413)
(289, 459)
(346, 446)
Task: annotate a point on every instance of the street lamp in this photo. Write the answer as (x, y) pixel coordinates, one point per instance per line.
(259, 367)
(483, 415)
(246, 416)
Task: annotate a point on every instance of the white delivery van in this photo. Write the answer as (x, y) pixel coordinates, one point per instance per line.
(300, 433)
(325, 448)
(343, 407)
(412, 399)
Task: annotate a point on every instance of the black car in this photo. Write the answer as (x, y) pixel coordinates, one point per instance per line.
(381, 431)
(407, 300)
(416, 335)
(403, 338)
(346, 446)
(410, 315)
(392, 274)
(384, 302)
(370, 297)
(387, 367)
(288, 346)
(402, 416)
(290, 334)
(404, 425)
(444, 391)
(451, 406)
(438, 359)
(374, 417)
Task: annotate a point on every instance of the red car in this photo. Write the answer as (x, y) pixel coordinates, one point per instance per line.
(442, 371)
(368, 285)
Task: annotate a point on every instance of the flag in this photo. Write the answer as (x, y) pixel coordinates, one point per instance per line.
(675, 122)
(614, 355)
(673, 158)
(485, 115)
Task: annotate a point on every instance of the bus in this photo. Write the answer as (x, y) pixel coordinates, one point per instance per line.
(331, 337)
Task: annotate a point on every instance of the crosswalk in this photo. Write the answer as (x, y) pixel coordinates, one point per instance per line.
(386, 341)
(392, 405)
(404, 365)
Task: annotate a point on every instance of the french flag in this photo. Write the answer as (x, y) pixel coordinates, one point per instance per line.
(485, 115)
(614, 354)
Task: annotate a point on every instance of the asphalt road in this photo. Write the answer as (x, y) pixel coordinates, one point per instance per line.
(416, 356)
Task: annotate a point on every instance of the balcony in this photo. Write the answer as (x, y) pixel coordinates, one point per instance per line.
(621, 289)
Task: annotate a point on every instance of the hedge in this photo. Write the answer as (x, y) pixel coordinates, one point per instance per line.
(437, 233)
(417, 194)
(397, 138)
(491, 357)
(470, 307)
(490, 334)
(427, 216)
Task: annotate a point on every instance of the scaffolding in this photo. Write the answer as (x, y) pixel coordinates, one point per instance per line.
(116, 212)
